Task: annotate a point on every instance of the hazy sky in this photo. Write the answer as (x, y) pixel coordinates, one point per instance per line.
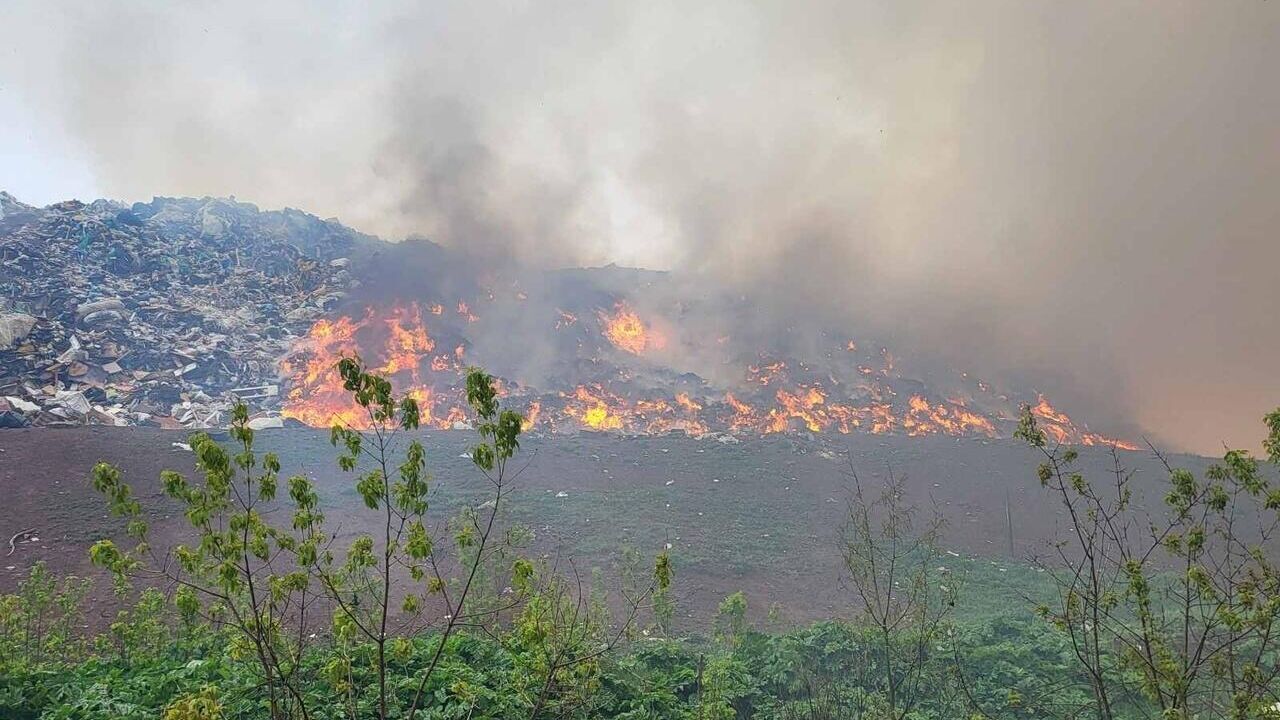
(1086, 194)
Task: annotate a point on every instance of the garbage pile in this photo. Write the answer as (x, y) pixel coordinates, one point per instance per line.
(160, 313)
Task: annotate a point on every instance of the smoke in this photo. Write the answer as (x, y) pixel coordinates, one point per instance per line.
(1078, 196)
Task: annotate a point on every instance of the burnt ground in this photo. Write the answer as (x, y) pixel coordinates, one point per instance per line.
(761, 516)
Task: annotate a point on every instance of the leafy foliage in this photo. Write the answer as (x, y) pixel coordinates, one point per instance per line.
(395, 599)
(1172, 612)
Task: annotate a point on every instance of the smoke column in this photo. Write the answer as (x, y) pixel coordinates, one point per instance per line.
(1080, 195)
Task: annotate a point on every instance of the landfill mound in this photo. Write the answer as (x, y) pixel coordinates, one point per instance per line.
(166, 313)
(156, 313)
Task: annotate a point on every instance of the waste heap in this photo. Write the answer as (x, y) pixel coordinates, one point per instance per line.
(159, 313)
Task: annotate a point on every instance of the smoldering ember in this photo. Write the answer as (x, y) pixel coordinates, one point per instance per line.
(166, 313)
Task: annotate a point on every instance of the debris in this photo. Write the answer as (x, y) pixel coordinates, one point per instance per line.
(163, 313)
(73, 401)
(266, 422)
(20, 534)
(13, 328)
(256, 392)
(21, 405)
(108, 305)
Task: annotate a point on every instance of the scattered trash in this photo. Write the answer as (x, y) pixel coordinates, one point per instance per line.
(13, 328)
(256, 392)
(266, 422)
(24, 535)
(163, 313)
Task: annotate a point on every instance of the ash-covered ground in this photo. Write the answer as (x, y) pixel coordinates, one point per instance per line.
(763, 516)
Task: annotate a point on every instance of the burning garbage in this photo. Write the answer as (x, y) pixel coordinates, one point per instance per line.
(167, 313)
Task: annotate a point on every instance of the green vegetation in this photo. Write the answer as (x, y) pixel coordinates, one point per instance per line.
(269, 612)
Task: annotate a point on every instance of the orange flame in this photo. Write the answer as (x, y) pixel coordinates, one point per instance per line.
(627, 331)
(531, 416)
(775, 397)
(1061, 429)
(401, 347)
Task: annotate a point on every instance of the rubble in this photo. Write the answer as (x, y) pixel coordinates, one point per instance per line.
(162, 313)
(13, 328)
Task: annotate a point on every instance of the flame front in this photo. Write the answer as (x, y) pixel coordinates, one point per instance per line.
(402, 350)
(1061, 429)
(627, 331)
(867, 393)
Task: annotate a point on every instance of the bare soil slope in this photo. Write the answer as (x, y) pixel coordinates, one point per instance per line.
(762, 515)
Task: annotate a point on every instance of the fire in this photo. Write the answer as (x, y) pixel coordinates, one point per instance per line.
(593, 411)
(950, 417)
(596, 408)
(410, 344)
(407, 341)
(805, 406)
(1061, 429)
(627, 331)
(531, 416)
(395, 342)
(1044, 411)
(744, 416)
(683, 400)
